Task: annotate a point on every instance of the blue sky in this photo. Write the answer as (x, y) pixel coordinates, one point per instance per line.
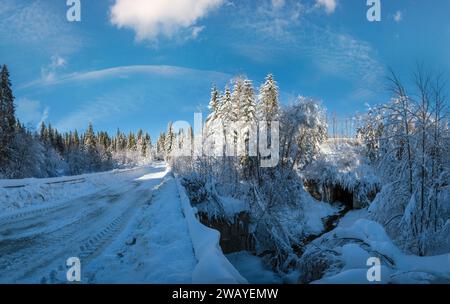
(140, 63)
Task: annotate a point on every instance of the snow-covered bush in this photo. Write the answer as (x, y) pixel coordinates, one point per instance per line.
(410, 152)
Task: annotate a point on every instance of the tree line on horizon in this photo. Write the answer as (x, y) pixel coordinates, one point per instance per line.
(50, 153)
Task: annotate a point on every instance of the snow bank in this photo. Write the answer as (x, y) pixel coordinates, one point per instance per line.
(369, 239)
(213, 267)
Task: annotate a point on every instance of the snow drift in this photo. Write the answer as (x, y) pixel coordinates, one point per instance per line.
(213, 267)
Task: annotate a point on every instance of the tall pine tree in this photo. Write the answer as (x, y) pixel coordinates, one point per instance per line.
(268, 106)
(7, 119)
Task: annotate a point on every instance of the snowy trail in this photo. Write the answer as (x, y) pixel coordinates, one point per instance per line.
(36, 242)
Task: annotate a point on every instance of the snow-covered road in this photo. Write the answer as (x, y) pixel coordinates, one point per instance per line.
(129, 229)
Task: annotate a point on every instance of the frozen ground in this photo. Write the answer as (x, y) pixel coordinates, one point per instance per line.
(126, 226)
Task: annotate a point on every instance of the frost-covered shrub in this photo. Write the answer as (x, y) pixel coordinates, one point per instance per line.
(196, 189)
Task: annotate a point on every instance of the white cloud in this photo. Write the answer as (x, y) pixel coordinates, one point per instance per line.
(398, 16)
(31, 113)
(161, 18)
(49, 72)
(328, 5)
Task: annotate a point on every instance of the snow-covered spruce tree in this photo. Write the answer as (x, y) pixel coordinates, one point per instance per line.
(213, 122)
(7, 121)
(237, 95)
(160, 146)
(225, 117)
(93, 160)
(225, 107)
(267, 110)
(145, 144)
(169, 141)
(268, 105)
(74, 154)
(104, 151)
(214, 102)
(54, 163)
(247, 125)
(27, 157)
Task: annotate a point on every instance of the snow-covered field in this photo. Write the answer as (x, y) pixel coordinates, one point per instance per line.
(125, 226)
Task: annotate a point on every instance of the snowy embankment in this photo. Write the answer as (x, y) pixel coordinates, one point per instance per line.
(350, 247)
(213, 266)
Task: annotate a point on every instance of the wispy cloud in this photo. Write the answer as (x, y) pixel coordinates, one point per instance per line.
(38, 24)
(49, 72)
(125, 99)
(291, 29)
(124, 72)
(341, 54)
(102, 108)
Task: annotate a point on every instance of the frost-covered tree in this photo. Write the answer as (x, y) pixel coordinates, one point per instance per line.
(237, 95)
(268, 104)
(169, 141)
(411, 145)
(248, 104)
(214, 102)
(7, 119)
(369, 132)
(225, 107)
(303, 129)
(161, 146)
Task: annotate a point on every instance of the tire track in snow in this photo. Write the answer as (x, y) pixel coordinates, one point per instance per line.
(32, 258)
